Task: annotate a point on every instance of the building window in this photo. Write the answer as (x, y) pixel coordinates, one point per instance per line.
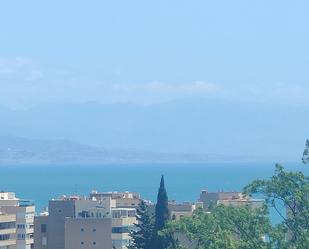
(94, 243)
(29, 215)
(21, 236)
(124, 229)
(44, 241)
(82, 230)
(120, 242)
(43, 228)
(82, 242)
(94, 230)
(4, 236)
(7, 225)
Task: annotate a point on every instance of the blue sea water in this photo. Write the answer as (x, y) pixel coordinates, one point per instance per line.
(183, 182)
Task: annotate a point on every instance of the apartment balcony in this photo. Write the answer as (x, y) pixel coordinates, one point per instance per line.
(26, 241)
(25, 230)
(7, 231)
(8, 242)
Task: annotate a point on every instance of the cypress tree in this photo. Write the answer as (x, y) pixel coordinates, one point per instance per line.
(141, 236)
(161, 215)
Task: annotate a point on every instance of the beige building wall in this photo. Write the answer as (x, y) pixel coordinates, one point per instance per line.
(236, 199)
(178, 210)
(122, 223)
(7, 231)
(122, 199)
(24, 224)
(88, 233)
(209, 198)
(8, 199)
(120, 231)
(127, 202)
(24, 211)
(252, 203)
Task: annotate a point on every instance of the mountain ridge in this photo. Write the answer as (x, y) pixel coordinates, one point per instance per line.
(24, 151)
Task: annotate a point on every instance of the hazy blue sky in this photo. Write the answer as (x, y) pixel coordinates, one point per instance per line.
(147, 52)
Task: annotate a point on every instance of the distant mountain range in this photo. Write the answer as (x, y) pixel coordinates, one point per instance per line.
(23, 151)
(203, 130)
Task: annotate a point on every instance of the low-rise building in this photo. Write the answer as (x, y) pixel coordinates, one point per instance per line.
(244, 201)
(178, 210)
(228, 198)
(122, 199)
(208, 198)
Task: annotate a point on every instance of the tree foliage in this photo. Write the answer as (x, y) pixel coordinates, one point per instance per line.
(141, 236)
(147, 233)
(161, 217)
(305, 158)
(227, 227)
(291, 191)
(162, 212)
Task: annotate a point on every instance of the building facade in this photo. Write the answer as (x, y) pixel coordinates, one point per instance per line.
(236, 199)
(122, 199)
(88, 233)
(7, 231)
(24, 212)
(123, 220)
(74, 222)
(178, 210)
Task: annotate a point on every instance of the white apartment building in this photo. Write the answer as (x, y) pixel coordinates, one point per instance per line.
(123, 208)
(7, 231)
(123, 220)
(24, 212)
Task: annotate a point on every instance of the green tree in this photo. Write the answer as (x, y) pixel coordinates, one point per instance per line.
(291, 191)
(162, 212)
(141, 236)
(228, 227)
(305, 158)
(161, 217)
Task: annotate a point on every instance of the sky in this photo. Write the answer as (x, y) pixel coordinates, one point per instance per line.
(152, 52)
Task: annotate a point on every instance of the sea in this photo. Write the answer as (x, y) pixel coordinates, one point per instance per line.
(183, 182)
